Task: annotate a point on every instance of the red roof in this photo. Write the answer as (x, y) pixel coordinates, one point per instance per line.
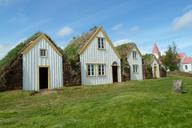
(187, 60)
(155, 49)
(181, 55)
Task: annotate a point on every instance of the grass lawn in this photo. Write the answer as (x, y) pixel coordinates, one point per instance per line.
(134, 104)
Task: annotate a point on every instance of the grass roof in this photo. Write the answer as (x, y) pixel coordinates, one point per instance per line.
(124, 49)
(15, 52)
(148, 59)
(72, 50)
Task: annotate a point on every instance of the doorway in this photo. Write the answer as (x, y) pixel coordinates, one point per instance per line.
(43, 78)
(155, 71)
(115, 72)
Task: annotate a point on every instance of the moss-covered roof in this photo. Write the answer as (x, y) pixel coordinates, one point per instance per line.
(72, 50)
(148, 59)
(15, 52)
(125, 49)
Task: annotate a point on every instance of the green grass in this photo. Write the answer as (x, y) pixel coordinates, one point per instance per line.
(134, 104)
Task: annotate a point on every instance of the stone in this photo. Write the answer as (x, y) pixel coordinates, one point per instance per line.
(178, 86)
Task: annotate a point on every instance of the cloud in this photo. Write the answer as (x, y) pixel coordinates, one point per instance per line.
(183, 21)
(116, 27)
(134, 29)
(65, 31)
(5, 48)
(187, 8)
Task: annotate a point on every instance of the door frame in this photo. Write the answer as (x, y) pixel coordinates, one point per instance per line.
(117, 74)
(115, 64)
(48, 68)
(155, 71)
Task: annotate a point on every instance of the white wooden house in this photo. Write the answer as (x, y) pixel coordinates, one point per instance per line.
(185, 64)
(41, 64)
(99, 60)
(155, 65)
(150, 60)
(132, 54)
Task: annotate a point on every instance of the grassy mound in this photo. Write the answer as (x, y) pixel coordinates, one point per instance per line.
(133, 104)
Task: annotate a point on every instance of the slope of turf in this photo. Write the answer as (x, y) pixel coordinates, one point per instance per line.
(134, 104)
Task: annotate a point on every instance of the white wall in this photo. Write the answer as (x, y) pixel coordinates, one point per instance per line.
(189, 69)
(32, 61)
(181, 68)
(94, 56)
(158, 71)
(138, 61)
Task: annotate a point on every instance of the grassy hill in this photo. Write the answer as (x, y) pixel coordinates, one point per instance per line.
(134, 104)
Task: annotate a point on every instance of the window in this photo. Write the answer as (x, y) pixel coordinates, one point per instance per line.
(186, 67)
(134, 55)
(135, 68)
(43, 52)
(100, 43)
(90, 70)
(101, 69)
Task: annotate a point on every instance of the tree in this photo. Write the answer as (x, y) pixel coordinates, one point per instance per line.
(170, 59)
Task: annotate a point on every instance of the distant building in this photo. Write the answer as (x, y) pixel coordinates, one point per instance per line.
(151, 61)
(155, 51)
(185, 64)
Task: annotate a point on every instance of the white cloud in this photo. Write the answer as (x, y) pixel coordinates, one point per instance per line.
(134, 29)
(183, 21)
(65, 31)
(116, 27)
(5, 48)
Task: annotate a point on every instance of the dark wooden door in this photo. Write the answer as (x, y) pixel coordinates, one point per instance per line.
(43, 77)
(115, 73)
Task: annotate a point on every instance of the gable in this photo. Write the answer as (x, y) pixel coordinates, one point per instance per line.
(134, 48)
(94, 36)
(33, 43)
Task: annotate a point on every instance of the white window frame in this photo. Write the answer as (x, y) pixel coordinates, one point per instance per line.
(101, 69)
(135, 68)
(101, 43)
(134, 54)
(45, 52)
(91, 70)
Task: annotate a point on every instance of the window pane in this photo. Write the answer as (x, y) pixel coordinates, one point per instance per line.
(103, 70)
(92, 68)
(102, 43)
(99, 44)
(42, 52)
(99, 68)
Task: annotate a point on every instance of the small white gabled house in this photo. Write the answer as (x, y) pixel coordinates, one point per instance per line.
(132, 54)
(185, 63)
(99, 61)
(155, 65)
(42, 64)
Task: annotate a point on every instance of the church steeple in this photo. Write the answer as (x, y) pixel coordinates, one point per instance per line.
(155, 51)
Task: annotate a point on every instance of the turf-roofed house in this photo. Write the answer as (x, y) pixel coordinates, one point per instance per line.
(34, 64)
(99, 61)
(131, 58)
(152, 66)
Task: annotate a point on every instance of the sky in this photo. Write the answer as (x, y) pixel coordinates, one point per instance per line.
(143, 22)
